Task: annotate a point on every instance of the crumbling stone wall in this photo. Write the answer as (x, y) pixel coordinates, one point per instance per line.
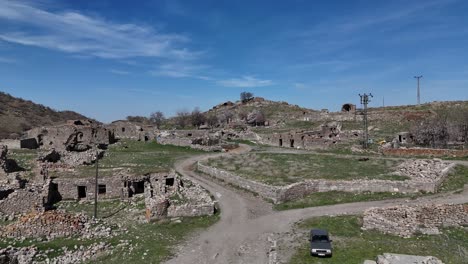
(50, 224)
(184, 199)
(424, 152)
(405, 221)
(22, 201)
(265, 190)
(74, 136)
(123, 129)
(328, 134)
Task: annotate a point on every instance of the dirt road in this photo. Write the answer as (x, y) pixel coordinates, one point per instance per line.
(248, 227)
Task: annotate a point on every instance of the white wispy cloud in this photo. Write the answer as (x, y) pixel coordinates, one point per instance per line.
(7, 60)
(245, 81)
(74, 32)
(181, 70)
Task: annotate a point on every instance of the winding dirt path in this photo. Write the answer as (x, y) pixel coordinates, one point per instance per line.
(248, 226)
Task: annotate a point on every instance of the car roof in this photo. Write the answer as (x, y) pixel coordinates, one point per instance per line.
(319, 232)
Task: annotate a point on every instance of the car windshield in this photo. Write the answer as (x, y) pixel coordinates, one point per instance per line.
(320, 238)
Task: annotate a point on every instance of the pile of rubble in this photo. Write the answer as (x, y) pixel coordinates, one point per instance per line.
(49, 225)
(405, 221)
(425, 170)
(23, 255)
(81, 254)
(71, 159)
(31, 255)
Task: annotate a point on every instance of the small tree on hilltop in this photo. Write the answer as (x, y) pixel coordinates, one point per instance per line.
(246, 96)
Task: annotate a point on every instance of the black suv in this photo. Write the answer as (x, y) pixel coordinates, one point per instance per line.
(320, 243)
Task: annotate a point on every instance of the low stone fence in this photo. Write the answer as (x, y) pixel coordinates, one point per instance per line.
(190, 210)
(425, 152)
(299, 190)
(264, 190)
(406, 220)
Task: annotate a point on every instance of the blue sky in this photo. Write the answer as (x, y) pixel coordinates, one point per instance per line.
(108, 59)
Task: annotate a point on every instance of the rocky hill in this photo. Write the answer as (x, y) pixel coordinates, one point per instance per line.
(18, 115)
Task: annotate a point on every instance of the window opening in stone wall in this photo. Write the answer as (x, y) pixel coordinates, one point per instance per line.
(81, 192)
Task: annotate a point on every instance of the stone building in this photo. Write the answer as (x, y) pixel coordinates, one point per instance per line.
(123, 129)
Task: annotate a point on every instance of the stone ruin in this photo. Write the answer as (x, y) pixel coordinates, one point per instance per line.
(180, 198)
(75, 143)
(421, 170)
(408, 220)
(123, 129)
(76, 135)
(50, 225)
(7, 165)
(196, 139)
(392, 258)
(326, 135)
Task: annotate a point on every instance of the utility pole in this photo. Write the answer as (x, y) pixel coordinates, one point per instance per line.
(419, 95)
(364, 101)
(96, 186)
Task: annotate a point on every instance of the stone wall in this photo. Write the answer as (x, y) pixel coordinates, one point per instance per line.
(301, 189)
(417, 183)
(424, 152)
(22, 201)
(118, 186)
(264, 190)
(406, 220)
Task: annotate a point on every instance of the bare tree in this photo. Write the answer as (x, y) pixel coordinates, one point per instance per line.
(182, 118)
(211, 120)
(197, 118)
(157, 118)
(246, 96)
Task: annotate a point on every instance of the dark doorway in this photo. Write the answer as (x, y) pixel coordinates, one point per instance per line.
(139, 187)
(54, 194)
(291, 143)
(81, 192)
(280, 142)
(146, 138)
(170, 181)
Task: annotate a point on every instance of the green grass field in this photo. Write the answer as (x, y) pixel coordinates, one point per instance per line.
(351, 245)
(282, 169)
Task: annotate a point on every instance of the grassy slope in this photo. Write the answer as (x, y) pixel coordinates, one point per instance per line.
(353, 246)
(21, 115)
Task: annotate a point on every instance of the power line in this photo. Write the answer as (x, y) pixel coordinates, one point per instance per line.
(419, 95)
